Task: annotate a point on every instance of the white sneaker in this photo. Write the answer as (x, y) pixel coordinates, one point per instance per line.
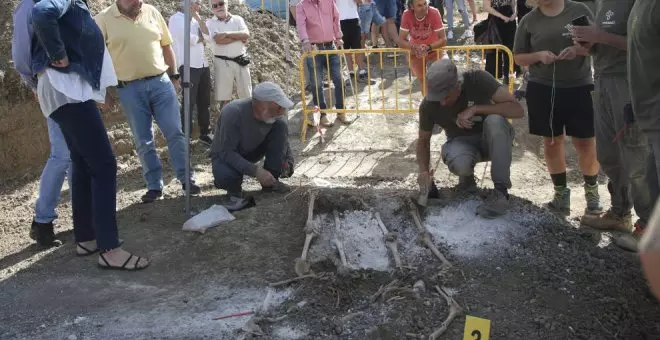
(450, 35)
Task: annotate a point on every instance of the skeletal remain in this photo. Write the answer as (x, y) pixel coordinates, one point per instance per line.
(424, 236)
(381, 290)
(297, 278)
(302, 267)
(419, 288)
(454, 310)
(337, 242)
(390, 241)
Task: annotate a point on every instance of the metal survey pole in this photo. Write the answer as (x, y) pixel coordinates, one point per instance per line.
(286, 31)
(186, 96)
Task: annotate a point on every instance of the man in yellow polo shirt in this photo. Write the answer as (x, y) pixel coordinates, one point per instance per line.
(140, 45)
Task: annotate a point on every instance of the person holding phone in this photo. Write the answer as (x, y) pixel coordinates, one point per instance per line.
(623, 150)
(559, 95)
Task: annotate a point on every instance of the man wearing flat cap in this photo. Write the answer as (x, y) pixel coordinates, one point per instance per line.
(472, 108)
(248, 130)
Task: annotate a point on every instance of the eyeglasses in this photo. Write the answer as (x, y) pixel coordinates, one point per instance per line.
(218, 4)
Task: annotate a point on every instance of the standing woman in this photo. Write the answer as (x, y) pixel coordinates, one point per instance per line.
(559, 94)
(504, 13)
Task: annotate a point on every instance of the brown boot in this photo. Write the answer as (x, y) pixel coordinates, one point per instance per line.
(608, 221)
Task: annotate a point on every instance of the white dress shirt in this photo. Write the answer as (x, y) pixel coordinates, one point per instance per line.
(177, 30)
(347, 9)
(234, 24)
(57, 89)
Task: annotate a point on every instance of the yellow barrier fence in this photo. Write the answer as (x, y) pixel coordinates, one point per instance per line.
(388, 65)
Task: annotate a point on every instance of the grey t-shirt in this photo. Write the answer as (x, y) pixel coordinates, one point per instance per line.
(644, 63)
(538, 32)
(612, 17)
(237, 134)
(478, 88)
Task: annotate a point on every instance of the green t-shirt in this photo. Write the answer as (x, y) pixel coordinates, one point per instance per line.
(644, 62)
(612, 17)
(538, 32)
(478, 88)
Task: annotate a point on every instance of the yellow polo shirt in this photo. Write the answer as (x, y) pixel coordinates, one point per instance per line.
(135, 46)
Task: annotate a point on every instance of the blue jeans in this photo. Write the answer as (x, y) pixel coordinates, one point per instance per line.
(368, 14)
(274, 147)
(52, 177)
(321, 69)
(94, 174)
(155, 98)
(461, 10)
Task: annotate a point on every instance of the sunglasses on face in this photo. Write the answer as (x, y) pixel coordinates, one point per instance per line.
(218, 4)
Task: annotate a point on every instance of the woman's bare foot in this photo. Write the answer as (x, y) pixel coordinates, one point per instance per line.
(86, 248)
(121, 259)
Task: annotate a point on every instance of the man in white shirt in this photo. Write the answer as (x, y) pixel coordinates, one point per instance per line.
(349, 21)
(200, 74)
(228, 34)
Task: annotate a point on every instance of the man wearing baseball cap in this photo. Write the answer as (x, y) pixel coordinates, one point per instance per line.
(472, 108)
(248, 130)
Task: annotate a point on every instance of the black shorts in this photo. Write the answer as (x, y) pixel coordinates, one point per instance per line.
(352, 35)
(573, 111)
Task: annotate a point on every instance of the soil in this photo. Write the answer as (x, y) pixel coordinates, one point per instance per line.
(534, 274)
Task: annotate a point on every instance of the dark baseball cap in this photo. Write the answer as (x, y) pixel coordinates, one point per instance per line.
(441, 78)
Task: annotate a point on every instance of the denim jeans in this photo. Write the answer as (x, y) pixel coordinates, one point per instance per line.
(322, 65)
(94, 174)
(143, 101)
(495, 143)
(52, 177)
(274, 147)
(461, 10)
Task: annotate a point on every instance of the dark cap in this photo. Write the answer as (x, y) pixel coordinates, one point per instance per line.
(441, 78)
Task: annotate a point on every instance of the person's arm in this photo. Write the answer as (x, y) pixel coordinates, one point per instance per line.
(488, 8)
(166, 45)
(202, 25)
(336, 27)
(649, 251)
(44, 22)
(423, 151)
(230, 138)
(404, 31)
(522, 49)
(301, 23)
(438, 28)
(504, 104)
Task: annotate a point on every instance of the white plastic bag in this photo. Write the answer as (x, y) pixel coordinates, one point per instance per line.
(208, 218)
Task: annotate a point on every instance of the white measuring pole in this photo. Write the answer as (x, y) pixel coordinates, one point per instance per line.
(186, 96)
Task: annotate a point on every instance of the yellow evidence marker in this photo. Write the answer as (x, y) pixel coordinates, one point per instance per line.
(476, 328)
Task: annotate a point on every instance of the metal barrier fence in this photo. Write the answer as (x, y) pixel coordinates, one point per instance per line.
(397, 104)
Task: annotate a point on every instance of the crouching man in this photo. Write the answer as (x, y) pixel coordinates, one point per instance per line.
(247, 130)
(472, 108)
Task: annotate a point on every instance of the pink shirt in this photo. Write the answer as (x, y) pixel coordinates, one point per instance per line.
(318, 21)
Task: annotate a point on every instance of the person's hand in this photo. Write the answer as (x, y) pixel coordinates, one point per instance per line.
(589, 34)
(265, 178)
(424, 179)
(513, 17)
(422, 50)
(108, 103)
(61, 63)
(339, 43)
(569, 53)
(464, 119)
(547, 57)
(306, 46)
(177, 85)
(219, 37)
(195, 15)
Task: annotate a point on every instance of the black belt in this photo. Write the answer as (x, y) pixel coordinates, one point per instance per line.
(325, 44)
(122, 83)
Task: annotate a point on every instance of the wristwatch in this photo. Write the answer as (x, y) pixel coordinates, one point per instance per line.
(175, 76)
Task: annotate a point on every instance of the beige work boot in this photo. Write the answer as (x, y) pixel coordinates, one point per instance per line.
(630, 242)
(341, 117)
(608, 221)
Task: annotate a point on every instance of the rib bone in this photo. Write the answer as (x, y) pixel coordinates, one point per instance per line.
(424, 235)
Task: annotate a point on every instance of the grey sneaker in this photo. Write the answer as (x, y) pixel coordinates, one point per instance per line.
(608, 221)
(235, 203)
(630, 242)
(592, 197)
(279, 188)
(467, 184)
(561, 202)
(496, 205)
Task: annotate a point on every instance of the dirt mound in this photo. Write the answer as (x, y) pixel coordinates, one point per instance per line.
(23, 133)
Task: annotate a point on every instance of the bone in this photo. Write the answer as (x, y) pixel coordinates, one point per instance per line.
(382, 289)
(337, 240)
(302, 267)
(424, 235)
(454, 310)
(390, 241)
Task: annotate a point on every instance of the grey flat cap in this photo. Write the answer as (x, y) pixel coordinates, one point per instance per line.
(441, 78)
(271, 92)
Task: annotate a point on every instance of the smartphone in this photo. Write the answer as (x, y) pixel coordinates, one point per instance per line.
(581, 21)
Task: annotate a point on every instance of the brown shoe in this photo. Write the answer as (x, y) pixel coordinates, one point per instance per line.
(325, 122)
(608, 221)
(341, 117)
